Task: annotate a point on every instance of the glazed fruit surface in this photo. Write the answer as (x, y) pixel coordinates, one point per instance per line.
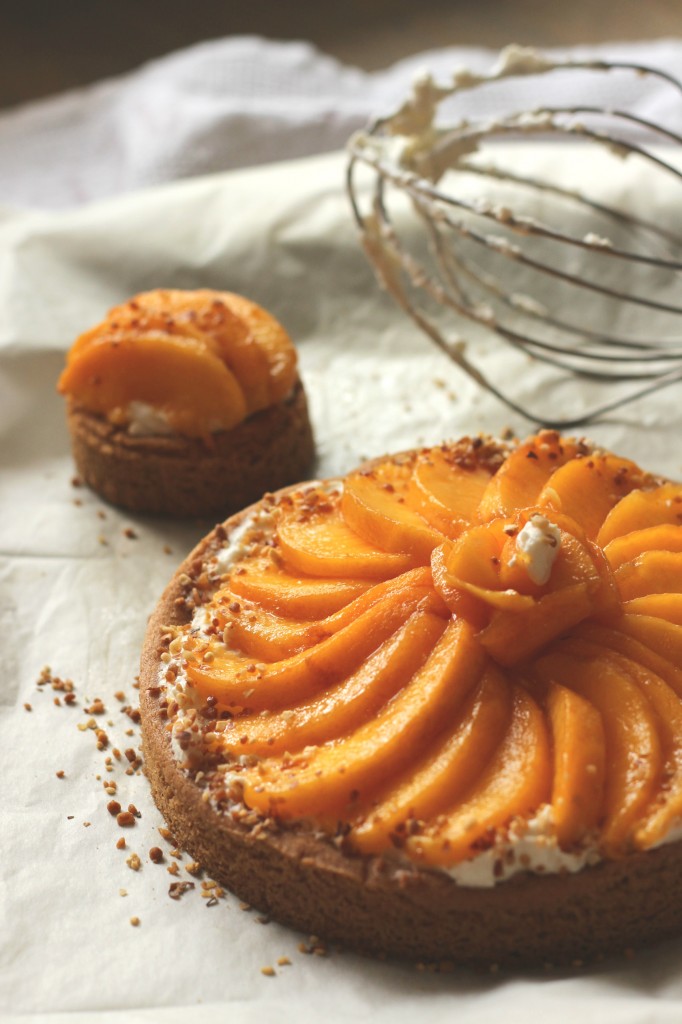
(204, 360)
(449, 641)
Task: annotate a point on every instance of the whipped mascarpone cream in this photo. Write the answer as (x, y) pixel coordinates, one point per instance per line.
(537, 546)
(145, 420)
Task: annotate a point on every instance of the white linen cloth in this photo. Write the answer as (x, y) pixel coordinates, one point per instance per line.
(242, 101)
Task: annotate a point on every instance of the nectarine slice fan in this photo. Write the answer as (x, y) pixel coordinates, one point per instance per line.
(261, 634)
(268, 687)
(633, 747)
(428, 787)
(300, 597)
(515, 782)
(334, 776)
(347, 704)
(455, 666)
(446, 493)
(519, 480)
(587, 489)
(374, 506)
(324, 545)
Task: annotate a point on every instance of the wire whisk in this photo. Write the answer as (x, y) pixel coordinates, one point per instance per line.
(475, 247)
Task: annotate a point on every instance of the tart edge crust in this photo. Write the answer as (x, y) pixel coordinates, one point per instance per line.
(181, 478)
(380, 907)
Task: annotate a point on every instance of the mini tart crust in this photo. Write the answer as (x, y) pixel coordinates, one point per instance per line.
(181, 477)
(380, 907)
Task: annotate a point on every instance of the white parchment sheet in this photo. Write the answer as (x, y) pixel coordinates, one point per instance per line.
(78, 580)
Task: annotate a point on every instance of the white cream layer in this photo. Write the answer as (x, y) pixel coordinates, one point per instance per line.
(146, 421)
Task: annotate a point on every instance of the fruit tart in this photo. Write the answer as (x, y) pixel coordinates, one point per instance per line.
(434, 709)
(186, 404)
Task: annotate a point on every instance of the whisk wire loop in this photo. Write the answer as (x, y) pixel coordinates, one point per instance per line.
(508, 269)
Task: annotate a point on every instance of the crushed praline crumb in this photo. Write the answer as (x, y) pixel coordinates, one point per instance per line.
(134, 862)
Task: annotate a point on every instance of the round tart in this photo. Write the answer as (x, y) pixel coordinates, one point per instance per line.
(434, 710)
(186, 404)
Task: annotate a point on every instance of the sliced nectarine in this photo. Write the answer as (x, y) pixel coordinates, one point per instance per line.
(641, 509)
(633, 649)
(633, 748)
(474, 557)
(251, 346)
(195, 390)
(661, 606)
(587, 489)
(374, 506)
(461, 603)
(262, 635)
(665, 537)
(466, 573)
(579, 756)
(235, 681)
(667, 803)
(272, 339)
(663, 637)
(206, 316)
(653, 572)
(515, 783)
(521, 624)
(445, 492)
(665, 812)
(444, 774)
(324, 545)
(302, 597)
(513, 636)
(666, 807)
(327, 780)
(519, 480)
(346, 705)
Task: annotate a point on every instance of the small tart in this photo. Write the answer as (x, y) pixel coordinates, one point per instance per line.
(186, 404)
(435, 710)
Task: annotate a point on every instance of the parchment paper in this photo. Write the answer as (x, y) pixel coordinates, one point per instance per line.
(76, 590)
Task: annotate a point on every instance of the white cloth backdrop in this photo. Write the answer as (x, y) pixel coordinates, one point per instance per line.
(237, 102)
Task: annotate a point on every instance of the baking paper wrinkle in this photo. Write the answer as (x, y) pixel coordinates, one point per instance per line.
(76, 593)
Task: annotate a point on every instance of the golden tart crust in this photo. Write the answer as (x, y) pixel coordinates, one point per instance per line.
(342, 771)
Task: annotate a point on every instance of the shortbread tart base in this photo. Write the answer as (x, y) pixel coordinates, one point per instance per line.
(181, 477)
(377, 905)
